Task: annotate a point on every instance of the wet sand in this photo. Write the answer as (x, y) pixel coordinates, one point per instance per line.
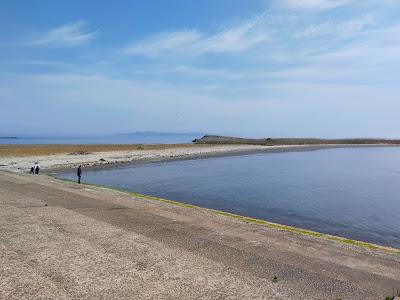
(62, 240)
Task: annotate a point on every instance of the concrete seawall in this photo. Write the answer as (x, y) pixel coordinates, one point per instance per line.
(61, 240)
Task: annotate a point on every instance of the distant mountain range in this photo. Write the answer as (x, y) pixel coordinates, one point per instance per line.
(127, 134)
(156, 133)
(148, 137)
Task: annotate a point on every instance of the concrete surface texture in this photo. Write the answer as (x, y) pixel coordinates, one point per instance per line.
(61, 240)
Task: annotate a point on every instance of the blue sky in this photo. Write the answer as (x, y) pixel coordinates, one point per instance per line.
(309, 68)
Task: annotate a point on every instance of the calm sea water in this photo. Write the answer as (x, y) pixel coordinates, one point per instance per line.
(133, 138)
(350, 192)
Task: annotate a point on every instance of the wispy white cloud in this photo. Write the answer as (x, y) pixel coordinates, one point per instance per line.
(367, 60)
(193, 42)
(189, 71)
(235, 39)
(366, 56)
(164, 42)
(343, 29)
(68, 35)
(314, 5)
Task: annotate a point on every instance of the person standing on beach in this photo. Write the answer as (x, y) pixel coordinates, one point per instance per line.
(79, 173)
(37, 168)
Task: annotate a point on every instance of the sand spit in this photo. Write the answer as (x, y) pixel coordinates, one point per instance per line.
(54, 162)
(72, 160)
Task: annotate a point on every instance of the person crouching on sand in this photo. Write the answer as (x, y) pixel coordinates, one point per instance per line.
(79, 173)
(33, 169)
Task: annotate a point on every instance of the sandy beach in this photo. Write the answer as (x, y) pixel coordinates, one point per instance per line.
(67, 160)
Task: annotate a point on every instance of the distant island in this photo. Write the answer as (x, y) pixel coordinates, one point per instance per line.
(218, 139)
(8, 137)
